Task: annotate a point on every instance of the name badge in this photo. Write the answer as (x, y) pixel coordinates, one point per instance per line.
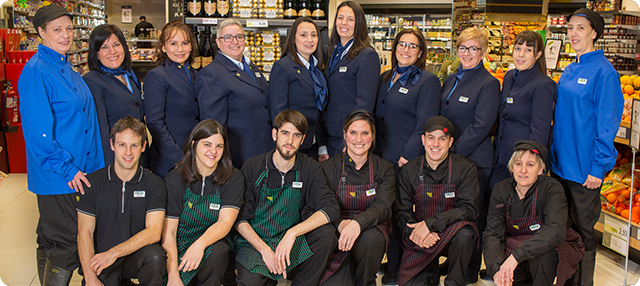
(582, 81)
(371, 192)
(534, 227)
(297, 185)
(214, 207)
(258, 74)
(463, 99)
(142, 95)
(510, 100)
(343, 69)
(403, 90)
(450, 195)
(138, 194)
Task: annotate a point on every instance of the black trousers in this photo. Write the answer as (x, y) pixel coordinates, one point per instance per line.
(361, 265)
(483, 208)
(57, 230)
(321, 240)
(212, 269)
(540, 271)
(148, 264)
(586, 203)
(458, 252)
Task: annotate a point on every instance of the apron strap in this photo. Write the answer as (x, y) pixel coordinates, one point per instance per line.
(420, 171)
(343, 176)
(449, 169)
(535, 199)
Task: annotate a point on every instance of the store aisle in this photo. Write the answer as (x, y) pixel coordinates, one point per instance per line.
(19, 216)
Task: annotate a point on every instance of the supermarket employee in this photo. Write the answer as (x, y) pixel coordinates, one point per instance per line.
(233, 91)
(436, 209)
(285, 221)
(587, 117)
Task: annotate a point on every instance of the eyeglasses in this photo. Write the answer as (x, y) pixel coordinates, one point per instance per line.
(228, 38)
(412, 47)
(472, 50)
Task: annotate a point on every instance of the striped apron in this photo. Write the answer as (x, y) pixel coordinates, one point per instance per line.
(353, 200)
(277, 211)
(429, 200)
(570, 251)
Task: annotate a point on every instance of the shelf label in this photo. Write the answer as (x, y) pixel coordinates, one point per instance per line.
(622, 132)
(616, 235)
(634, 140)
(257, 23)
(209, 21)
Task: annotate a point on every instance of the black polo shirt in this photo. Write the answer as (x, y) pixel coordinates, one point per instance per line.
(119, 207)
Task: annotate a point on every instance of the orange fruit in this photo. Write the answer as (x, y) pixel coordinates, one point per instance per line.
(624, 79)
(624, 214)
(626, 194)
(635, 217)
(612, 197)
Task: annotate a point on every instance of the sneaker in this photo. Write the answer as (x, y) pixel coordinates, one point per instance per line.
(390, 278)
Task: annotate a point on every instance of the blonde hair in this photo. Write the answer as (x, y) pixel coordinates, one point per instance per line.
(518, 154)
(474, 33)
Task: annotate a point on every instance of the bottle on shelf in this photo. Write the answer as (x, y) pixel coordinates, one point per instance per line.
(304, 8)
(206, 49)
(223, 8)
(194, 8)
(209, 8)
(197, 59)
(317, 10)
(290, 9)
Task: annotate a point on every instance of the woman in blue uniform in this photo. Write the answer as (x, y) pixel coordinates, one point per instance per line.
(408, 95)
(470, 100)
(171, 103)
(204, 196)
(352, 72)
(365, 187)
(233, 91)
(115, 87)
(297, 83)
(62, 142)
(526, 106)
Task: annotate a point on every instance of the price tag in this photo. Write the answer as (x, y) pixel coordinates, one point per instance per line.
(257, 24)
(616, 235)
(622, 132)
(209, 21)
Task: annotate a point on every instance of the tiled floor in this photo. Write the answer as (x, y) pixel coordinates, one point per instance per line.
(19, 215)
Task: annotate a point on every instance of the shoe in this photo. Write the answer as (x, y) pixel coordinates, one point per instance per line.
(41, 258)
(383, 269)
(55, 276)
(390, 278)
(229, 279)
(485, 276)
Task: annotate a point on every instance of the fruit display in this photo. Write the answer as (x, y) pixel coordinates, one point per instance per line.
(630, 89)
(617, 193)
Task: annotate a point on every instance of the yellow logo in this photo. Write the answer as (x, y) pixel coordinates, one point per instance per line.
(270, 198)
(353, 194)
(298, 71)
(430, 194)
(238, 74)
(190, 204)
(516, 227)
(77, 198)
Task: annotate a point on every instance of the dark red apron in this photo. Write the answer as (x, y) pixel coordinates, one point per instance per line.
(570, 251)
(353, 200)
(429, 200)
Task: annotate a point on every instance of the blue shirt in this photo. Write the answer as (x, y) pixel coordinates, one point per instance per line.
(587, 117)
(59, 122)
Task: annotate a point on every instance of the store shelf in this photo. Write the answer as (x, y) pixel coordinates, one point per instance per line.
(628, 27)
(142, 40)
(86, 15)
(558, 26)
(627, 72)
(619, 40)
(78, 51)
(568, 54)
(97, 6)
(628, 56)
(270, 22)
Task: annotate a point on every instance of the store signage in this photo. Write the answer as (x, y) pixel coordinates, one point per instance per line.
(552, 53)
(126, 14)
(634, 141)
(515, 6)
(176, 10)
(616, 235)
(209, 21)
(257, 23)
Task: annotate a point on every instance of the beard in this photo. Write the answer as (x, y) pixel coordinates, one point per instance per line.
(287, 155)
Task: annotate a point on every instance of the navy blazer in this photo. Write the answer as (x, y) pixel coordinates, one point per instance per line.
(352, 85)
(292, 87)
(241, 104)
(526, 111)
(400, 113)
(473, 109)
(113, 102)
(172, 111)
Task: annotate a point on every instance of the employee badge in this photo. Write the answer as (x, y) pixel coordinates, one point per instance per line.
(297, 185)
(449, 195)
(582, 80)
(463, 99)
(214, 207)
(510, 100)
(343, 69)
(534, 227)
(403, 90)
(371, 192)
(138, 194)
(258, 74)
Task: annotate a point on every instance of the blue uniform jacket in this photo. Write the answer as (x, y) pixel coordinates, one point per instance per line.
(113, 102)
(472, 108)
(59, 122)
(587, 117)
(172, 111)
(400, 113)
(229, 95)
(352, 85)
(526, 111)
(292, 87)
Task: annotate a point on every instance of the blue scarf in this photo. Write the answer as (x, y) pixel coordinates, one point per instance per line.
(319, 85)
(409, 72)
(120, 71)
(336, 55)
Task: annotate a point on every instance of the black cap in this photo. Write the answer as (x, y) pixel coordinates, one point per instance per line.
(49, 13)
(143, 18)
(597, 23)
(438, 123)
(534, 147)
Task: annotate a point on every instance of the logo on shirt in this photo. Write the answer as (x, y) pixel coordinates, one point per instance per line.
(270, 198)
(214, 207)
(534, 227)
(371, 192)
(582, 80)
(258, 75)
(353, 194)
(77, 198)
(449, 195)
(516, 227)
(430, 194)
(138, 194)
(189, 204)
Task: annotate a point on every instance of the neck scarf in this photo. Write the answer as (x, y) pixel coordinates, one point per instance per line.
(319, 84)
(336, 55)
(120, 71)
